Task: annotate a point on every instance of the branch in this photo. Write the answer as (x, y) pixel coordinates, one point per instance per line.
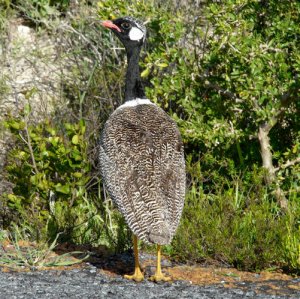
(288, 164)
(83, 37)
(30, 148)
(286, 99)
(219, 89)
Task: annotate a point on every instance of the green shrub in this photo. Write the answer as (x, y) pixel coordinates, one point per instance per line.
(49, 169)
(40, 11)
(239, 223)
(52, 188)
(291, 240)
(220, 77)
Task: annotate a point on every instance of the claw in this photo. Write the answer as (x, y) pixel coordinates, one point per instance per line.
(159, 277)
(137, 275)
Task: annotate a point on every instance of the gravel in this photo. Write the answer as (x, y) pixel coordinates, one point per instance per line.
(92, 282)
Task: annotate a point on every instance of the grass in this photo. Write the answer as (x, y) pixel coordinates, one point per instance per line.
(238, 224)
(18, 252)
(228, 217)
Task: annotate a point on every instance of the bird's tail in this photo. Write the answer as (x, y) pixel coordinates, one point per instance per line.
(160, 234)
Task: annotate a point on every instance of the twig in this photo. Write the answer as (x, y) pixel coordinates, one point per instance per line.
(217, 88)
(30, 147)
(82, 97)
(71, 29)
(288, 164)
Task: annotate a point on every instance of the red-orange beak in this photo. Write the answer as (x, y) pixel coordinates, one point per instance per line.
(111, 25)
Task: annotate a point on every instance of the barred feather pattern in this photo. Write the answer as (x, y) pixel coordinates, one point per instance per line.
(143, 168)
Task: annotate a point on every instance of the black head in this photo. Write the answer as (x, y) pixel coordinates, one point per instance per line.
(130, 31)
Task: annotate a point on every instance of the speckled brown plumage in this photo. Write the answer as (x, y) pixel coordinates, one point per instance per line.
(142, 164)
(141, 155)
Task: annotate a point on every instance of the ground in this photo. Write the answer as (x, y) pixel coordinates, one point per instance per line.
(113, 266)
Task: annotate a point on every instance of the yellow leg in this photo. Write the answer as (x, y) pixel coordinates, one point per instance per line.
(159, 276)
(137, 275)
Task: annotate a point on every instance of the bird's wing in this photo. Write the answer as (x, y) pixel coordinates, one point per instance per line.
(143, 167)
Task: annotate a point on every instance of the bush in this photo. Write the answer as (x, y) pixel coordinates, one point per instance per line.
(237, 223)
(195, 69)
(50, 169)
(51, 175)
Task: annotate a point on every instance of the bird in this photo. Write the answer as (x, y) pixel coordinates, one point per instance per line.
(141, 156)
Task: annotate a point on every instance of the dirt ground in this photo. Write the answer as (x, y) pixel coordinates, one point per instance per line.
(114, 266)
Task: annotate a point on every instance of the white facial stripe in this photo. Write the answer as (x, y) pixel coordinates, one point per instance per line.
(136, 102)
(136, 34)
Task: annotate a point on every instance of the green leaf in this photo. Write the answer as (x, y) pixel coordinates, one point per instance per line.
(12, 197)
(27, 109)
(162, 65)
(54, 140)
(75, 139)
(15, 125)
(77, 174)
(65, 189)
(145, 73)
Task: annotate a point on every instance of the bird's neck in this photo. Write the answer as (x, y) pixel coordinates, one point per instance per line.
(133, 83)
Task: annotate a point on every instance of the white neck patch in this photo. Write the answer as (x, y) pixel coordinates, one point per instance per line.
(136, 102)
(136, 34)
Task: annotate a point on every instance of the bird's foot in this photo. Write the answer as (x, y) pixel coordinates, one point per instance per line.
(137, 275)
(160, 277)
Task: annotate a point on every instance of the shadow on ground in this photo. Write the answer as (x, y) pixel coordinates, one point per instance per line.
(266, 282)
(114, 266)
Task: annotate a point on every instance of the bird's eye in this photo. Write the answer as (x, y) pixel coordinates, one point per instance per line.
(126, 25)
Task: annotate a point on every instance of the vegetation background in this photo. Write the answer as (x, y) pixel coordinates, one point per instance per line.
(226, 71)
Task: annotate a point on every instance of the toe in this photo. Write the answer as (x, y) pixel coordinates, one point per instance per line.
(136, 277)
(158, 278)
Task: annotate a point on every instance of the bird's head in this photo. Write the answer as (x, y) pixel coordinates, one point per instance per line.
(130, 31)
